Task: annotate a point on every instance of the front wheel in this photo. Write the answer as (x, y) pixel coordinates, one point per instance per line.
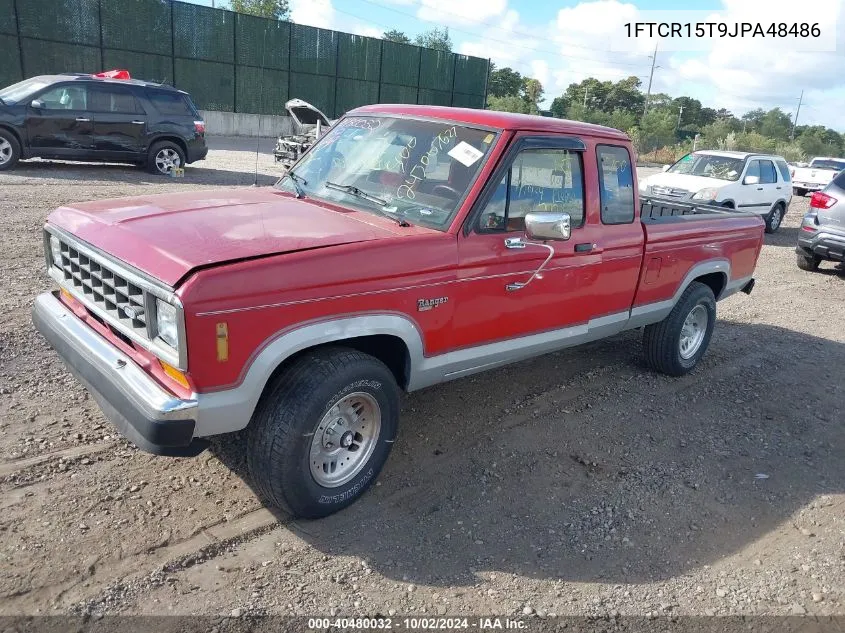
(10, 150)
(774, 219)
(676, 344)
(323, 431)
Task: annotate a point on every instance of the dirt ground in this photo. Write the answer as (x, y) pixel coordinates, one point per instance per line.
(576, 483)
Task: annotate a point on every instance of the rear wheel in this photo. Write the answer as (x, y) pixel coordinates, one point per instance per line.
(800, 192)
(774, 218)
(165, 156)
(808, 262)
(676, 344)
(10, 150)
(323, 431)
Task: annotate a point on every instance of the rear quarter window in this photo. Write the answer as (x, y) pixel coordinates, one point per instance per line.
(783, 168)
(839, 180)
(171, 103)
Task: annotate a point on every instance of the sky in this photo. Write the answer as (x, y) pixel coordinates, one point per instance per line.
(564, 41)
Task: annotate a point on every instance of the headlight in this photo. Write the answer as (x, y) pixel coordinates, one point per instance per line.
(166, 324)
(55, 251)
(709, 193)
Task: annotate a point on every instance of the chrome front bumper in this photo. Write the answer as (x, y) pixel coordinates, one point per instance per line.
(152, 418)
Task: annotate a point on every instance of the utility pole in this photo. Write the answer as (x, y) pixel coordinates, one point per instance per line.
(650, 77)
(586, 90)
(680, 112)
(795, 122)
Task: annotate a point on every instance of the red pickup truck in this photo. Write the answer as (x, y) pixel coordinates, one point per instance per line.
(411, 245)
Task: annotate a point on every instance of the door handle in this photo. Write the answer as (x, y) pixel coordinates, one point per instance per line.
(83, 120)
(137, 122)
(584, 248)
(759, 189)
(778, 187)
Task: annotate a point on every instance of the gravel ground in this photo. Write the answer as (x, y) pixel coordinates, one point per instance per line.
(576, 483)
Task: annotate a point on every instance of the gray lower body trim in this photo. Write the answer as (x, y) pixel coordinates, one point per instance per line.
(465, 362)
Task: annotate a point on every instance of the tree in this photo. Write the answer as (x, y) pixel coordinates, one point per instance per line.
(508, 103)
(504, 82)
(436, 38)
(775, 124)
(396, 36)
(656, 129)
(532, 92)
(274, 9)
(558, 108)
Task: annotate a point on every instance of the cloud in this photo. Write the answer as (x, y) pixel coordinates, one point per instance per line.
(322, 14)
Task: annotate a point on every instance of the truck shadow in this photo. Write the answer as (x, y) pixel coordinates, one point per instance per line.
(585, 466)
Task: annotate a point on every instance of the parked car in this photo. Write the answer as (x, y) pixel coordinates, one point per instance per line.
(91, 118)
(757, 183)
(822, 234)
(816, 175)
(308, 124)
(410, 246)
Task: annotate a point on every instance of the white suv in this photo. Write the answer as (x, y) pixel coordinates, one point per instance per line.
(757, 183)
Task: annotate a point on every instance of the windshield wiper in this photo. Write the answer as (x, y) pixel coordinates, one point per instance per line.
(354, 191)
(296, 179)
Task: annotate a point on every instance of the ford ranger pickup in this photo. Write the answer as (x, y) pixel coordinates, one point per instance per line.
(411, 245)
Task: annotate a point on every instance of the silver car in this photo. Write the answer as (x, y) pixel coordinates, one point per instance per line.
(822, 234)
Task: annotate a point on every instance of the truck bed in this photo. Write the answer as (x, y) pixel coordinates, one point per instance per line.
(679, 236)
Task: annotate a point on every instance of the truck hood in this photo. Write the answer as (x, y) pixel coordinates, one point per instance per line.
(682, 181)
(169, 235)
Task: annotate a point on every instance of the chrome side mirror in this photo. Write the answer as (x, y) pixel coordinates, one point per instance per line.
(666, 167)
(37, 104)
(548, 226)
(751, 180)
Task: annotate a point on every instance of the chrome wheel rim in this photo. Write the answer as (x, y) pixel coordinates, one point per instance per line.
(167, 159)
(776, 217)
(692, 333)
(5, 151)
(345, 439)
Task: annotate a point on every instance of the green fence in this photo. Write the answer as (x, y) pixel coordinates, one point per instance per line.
(228, 61)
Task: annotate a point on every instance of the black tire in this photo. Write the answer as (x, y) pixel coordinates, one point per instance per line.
(800, 192)
(10, 150)
(727, 205)
(166, 149)
(662, 341)
(775, 218)
(280, 433)
(808, 262)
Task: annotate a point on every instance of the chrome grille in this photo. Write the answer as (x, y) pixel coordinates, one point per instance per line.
(669, 192)
(106, 289)
(123, 298)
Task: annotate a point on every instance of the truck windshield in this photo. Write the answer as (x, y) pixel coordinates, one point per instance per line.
(20, 91)
(828, 163)
(412, 170)
(709, 166)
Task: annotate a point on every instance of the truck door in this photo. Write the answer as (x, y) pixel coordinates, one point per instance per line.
(537, 174)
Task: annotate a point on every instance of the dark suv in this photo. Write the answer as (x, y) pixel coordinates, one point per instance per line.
(82, 117)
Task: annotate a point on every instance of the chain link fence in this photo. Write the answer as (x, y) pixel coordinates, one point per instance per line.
(228, 61)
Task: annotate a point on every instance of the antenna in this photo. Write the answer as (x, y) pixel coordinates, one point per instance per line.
(260, 103)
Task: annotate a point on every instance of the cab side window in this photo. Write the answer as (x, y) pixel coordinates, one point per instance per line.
(538, 180)
(65, 98)
(616, 184)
